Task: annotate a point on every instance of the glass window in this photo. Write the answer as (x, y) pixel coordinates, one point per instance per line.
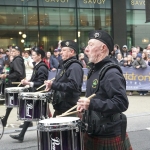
(56, 24)
(91, 19)
(18, 26)
(138, 33)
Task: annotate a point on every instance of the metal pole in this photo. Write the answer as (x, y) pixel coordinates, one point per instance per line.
(77, 24)
(38, 19)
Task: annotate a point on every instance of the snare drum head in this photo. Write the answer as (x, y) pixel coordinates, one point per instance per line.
(32, 94)
(60, 120)
(14, 89)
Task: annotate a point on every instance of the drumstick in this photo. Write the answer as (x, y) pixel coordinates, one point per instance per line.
(20, 82)
(15, 82)
(66, 114)
(44, 84)
(76, 105)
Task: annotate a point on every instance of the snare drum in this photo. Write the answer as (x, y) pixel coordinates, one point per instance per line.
(11, 96)
(32, 106)
(59, 134)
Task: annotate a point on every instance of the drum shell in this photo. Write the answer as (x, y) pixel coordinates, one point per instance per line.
(11, 96)
(65, 136)
(32, 106)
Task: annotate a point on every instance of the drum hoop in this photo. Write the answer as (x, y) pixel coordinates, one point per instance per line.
(32, 96)
(13, 90)
(60, 127)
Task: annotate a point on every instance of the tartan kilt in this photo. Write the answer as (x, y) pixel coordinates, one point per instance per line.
(98, 143)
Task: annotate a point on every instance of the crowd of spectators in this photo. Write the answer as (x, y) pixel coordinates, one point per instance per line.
(135, 57)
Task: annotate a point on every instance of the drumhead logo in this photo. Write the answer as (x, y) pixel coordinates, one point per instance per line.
(95, 82)
(54, 142)
(11, 100)
(29, 106)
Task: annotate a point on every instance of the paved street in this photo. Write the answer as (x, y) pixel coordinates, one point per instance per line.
(138, 127)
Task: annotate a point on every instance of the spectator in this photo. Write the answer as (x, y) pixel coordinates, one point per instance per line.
(57, 54)
(129, 61)
(55, 60)
(148, 59)
(2, 63)
(6, 57)
(134, 54)
(81, 59)
(145, 57)
(116, 50)
(148, 47)
(23, 54)
(125, 51)
(134, 50)
(28, 62)
(124, 62)
(139, 49)
(140, 63)
(129, 64)
(47, 59)
(120, 59)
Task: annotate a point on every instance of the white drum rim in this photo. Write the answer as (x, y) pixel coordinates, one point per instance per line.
(32, 94)
(16, 88)
(60, 120)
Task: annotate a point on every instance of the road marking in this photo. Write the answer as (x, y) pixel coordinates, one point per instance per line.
(12, 125)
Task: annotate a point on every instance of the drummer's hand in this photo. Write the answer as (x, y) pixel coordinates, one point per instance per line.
(48, 84)
(25, 82)
(3, 76)
(83, 104)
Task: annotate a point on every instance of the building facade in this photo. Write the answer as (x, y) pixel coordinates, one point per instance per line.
(45, 22)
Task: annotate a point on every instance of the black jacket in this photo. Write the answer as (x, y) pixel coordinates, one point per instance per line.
(17, 69)
(40, 74)
(111, 96)
(68, 82)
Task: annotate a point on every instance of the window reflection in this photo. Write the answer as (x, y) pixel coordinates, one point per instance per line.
(90, 19)
(18, 19)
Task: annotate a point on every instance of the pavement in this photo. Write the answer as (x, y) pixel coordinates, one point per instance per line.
(138, 127)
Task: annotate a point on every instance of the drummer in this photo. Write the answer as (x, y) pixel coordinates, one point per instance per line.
(16, 74)
(39, 75)
(105, 124)
(68, 82)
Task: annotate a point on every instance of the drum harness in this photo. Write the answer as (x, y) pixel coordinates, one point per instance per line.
(93, 122)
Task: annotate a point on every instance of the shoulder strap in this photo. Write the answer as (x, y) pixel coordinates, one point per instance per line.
(68, 63)
(105, 69)
(41, 64)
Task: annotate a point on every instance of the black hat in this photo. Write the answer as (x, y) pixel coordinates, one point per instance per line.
(39, 50)
(16, 48)
(139, 55)
(71, 44)
(104, 37)
(56, 50)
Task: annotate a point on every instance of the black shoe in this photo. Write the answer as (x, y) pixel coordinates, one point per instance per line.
(30, 125)
(3, 122)
(17, 137)
(21, 126)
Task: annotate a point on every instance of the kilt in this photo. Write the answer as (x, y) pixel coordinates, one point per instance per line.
(98, 143)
